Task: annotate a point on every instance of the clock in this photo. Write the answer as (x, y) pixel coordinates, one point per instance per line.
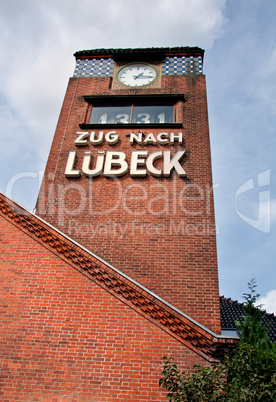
(136, 75)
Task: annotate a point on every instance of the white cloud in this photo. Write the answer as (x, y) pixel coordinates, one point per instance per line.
(37, 46)
(268, 302)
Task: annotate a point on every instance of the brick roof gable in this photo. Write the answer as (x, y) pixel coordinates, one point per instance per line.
(153, 308)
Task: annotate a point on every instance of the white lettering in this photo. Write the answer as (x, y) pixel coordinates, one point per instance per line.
(86, 164)
(96, 141)
(136, 161)
(150, 160)
(169, 164)
(116, 164)
(162, 138)
(111, 137)
(115, 159)
(69, 170)
(135, 138)
(178, 137)
(82, 138)
(150, 139)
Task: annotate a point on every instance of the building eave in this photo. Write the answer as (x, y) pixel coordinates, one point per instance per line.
(141, 54)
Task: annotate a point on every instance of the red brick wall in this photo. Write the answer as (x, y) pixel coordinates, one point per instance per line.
(159, 231)
(64, 338)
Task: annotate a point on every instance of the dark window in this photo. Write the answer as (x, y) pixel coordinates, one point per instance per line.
(110, 114)
(127, 114)
(153, 114)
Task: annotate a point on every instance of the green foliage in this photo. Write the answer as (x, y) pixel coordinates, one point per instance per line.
(247, 374)
(251, 375)
(251, 329)
(206, 384)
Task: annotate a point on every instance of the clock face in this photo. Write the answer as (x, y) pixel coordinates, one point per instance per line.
(137, 75)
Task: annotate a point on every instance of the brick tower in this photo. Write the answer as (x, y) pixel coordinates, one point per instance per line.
(129, 172)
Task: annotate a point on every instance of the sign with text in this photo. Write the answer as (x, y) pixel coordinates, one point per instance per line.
(115, 163)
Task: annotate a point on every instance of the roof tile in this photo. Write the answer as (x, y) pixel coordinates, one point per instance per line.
(232, 311)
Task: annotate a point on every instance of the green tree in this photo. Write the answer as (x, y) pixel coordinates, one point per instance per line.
(206, 384)
(251, 329)
(247, 374)
(251, 375)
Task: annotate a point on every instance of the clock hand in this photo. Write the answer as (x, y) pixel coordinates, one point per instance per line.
(137, 76)
(142, 76)
(145, 76)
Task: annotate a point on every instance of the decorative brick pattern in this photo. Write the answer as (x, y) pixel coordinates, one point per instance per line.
(182, 65)
(94, 68)
(74, 329)
(187, 331)
(170, 66)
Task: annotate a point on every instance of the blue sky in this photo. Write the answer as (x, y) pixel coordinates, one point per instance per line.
(239, 37)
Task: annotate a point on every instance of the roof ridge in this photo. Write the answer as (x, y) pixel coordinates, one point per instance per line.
(223, 298)
(159, 52)
(179, 325)
(241, 304)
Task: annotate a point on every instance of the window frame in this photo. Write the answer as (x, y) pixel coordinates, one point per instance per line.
(136, 100)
